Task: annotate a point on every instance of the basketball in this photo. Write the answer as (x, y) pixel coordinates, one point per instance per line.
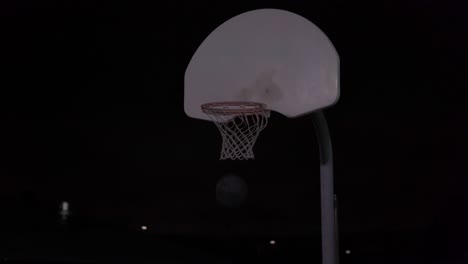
(231, 191)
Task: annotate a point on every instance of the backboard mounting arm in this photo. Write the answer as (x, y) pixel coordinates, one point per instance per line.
(327, 197)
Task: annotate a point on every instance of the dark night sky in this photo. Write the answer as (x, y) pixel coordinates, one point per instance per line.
(91, 112)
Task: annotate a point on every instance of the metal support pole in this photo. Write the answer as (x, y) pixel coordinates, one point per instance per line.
(327, 198)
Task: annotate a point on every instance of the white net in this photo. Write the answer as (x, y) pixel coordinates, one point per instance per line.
(240, 125)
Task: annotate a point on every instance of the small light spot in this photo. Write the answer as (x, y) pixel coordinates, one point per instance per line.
(65, 206)
(144, 227)
(348, 252)
(272, 242)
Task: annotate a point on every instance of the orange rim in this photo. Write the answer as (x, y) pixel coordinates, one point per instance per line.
(228, 108)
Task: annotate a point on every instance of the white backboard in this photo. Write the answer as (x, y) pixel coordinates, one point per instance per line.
(268, 56)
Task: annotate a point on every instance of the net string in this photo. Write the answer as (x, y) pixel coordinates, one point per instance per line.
(239, 132)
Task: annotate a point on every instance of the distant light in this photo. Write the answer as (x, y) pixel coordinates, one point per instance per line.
(144, 227)
(64, 210)
(272, 242)
(65, 206)
(348, 252)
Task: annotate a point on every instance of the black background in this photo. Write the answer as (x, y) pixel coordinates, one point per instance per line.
(92, 113)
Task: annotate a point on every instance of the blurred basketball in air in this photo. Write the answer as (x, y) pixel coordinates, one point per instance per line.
(231, 191)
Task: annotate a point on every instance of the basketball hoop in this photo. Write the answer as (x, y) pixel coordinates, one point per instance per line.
(240, 124)
(296, 73)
